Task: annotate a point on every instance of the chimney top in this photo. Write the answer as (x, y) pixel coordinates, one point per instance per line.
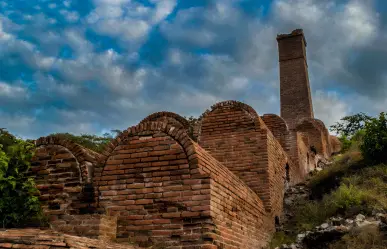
(296, 32)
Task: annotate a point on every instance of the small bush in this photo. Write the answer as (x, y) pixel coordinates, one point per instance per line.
(330, 178)
(281, 238)
(374, 146)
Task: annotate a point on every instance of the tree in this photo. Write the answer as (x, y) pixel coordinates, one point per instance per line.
(18, 194)
(192, 122)
(349, 125)
(374, 146)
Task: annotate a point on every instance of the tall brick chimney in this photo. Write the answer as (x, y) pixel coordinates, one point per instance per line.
(296, 100)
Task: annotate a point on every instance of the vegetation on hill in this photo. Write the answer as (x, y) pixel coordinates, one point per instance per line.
(355, 183)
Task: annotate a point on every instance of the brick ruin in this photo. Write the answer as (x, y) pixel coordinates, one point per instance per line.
(218, 184)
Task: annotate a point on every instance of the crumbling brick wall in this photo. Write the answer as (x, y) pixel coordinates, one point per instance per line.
(164, 188)
(63, 172)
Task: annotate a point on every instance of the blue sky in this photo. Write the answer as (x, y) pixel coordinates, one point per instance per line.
(88, 66)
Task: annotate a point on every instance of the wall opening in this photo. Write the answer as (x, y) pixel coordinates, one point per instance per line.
(287, 172)
(277, 223)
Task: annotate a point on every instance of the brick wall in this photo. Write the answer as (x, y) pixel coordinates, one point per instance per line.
(236, 211)
(234, 134)
(165, 189)
(301, 156)
(62, 172)
(231, 133)
(87, 225)
(296, 101)
(148, 183)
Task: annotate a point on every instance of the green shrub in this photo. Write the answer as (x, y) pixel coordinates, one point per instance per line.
(18, 201)
(345, 197)
(330, 178)
(281, 238)
(374, 146)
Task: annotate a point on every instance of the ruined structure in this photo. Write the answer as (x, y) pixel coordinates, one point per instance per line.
(218, 184)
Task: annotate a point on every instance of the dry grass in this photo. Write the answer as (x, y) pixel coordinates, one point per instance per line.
(368, 237)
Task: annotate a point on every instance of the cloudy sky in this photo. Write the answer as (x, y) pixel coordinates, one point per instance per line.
(88, 66)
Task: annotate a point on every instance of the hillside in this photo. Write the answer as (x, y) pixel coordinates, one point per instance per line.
(343, 206)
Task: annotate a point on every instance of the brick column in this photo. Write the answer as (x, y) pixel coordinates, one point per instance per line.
(296, 101)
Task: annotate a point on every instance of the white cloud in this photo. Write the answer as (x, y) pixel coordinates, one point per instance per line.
(3, 35)
(52, 5)
(359, 22)
(12, 91)
(128, 20)
(71, 16)
(163, 9)
(329, 107)
(67, 3)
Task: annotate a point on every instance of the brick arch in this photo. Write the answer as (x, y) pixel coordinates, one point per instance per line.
(230, 104)
(163, 186)
(145, 172)
(234, 134)
(176, 133)
(170, 117)
(85, 158)
(63, 173)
